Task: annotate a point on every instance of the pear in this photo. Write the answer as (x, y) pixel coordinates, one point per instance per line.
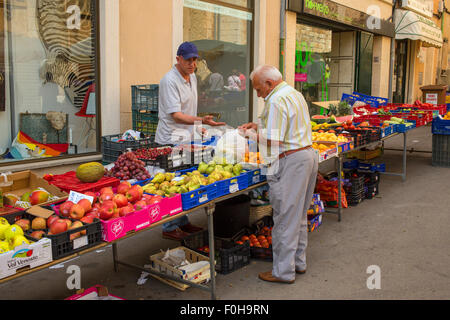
(183, 189)
(18, 241)
(4, 247)
(195, 187)
(237, 169)
(202, 167)
(210, 169)
(159, 178)
(3, 226)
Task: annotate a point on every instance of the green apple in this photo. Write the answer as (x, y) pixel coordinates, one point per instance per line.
(13, 231)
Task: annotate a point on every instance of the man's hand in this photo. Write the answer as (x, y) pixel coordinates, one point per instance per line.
(249, 131)
(249, 126)
(209, 120)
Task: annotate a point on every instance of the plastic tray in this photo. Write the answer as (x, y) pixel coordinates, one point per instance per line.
(69, 182)
(112, 147)
(229, 255)
(232, 185)
(441, 150)
(441, 126)
(372, 190)
(372, 167)
(145, 97)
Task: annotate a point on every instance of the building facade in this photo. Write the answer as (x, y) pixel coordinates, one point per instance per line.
(82, 70)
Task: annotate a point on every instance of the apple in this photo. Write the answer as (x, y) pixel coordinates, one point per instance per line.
(155, 199)
(69, 223)
(107, 210)
(91, 194)
(115, 215)
(77, 212)
(120, 200)
(86, 204)
(105, 197)
(139, 189)
(87, 219)
(91, 215)
(124, 187)
(97, 206)
(38, 224)
(38, 197)
(18, 241)
(126, 210)
(24, 224)
(64, 209)
(4, 224)
(76, 225)
(133, 195)
(141, 204)
(59, 226)
(51, 219)
(106, 190)
(37, 234)
(12, 231)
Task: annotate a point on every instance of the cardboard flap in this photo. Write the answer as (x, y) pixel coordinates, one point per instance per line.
(40, 212)
(102, 291)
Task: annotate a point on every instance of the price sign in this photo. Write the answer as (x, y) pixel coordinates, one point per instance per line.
(75, 197)
(203, 198)
(256, 179)
(80, 242)
(234, 188)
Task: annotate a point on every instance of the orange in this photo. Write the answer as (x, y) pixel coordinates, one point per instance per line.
(245, 238)
(258, 245)
(239, 242)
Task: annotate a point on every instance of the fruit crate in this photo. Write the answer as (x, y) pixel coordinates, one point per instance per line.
(441, 150)
(198, 197)
(372, 167)
(360, 137)
(371, 177)
(145, 97)
(346, 146)
(232, 185)
(229, 255)
(255, 177)
(441, 126)
(175, 161)
(353, 184)
(113, 146)
(402, 128)
(145, 122)
(69, 182)
(355, 199)
(387, 131)
(63, 245)
(371, 190)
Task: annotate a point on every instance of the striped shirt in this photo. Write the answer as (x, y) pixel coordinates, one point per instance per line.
(286, 118)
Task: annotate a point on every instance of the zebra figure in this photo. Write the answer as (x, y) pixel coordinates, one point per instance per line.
(70, 59)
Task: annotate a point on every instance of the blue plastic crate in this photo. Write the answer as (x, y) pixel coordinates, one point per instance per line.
(401, 128)
(351, 164)
(254, 177)
(198, 197)
(145, 97)
(351, 99)
(372, 167)
(232, 185)
(381, 101)
(441, 126)
(388, 131)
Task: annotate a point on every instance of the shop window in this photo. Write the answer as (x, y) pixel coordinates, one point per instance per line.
(48, 99)
(364, 56)
(312, 65)
(223, 34)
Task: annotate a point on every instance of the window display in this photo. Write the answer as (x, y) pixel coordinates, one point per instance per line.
(49, 57)
(222, 34)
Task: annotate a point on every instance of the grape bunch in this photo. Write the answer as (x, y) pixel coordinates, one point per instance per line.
(128, 167)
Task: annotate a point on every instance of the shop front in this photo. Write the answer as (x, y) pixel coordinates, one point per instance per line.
(418, 53)
(49, 105)
(338, 49)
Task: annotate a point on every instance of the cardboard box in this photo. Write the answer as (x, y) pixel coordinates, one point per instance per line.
(94, 293)
(25, 257)
(27, 181)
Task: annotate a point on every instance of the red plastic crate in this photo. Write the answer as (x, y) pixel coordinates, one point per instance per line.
(69, 182)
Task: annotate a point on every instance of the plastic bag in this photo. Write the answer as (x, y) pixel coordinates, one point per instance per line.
(231, 146)
(175, 258)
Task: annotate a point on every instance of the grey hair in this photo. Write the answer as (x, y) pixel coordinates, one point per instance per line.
(266, 72)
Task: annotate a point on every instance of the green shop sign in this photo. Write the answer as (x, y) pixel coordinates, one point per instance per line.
(340, 14)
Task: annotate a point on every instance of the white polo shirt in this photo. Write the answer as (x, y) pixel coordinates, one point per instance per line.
(176, 95)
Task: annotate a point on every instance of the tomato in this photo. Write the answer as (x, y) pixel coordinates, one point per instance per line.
(352, 127)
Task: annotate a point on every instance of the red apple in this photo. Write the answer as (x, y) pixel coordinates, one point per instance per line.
(126, 210)
(106, 190)
(133, 195)
(155, 199)
(25, 224)
(37, 234)
(64, 209)
(51, 219)
(120, 200)
(124, 187)
(58, 226)
(115, 215)
(147, 198)
(69, 223)
(76, 225)
(107, 210)
(93, 195)
(141, 204)
(87, 219)
(91, 215)
(106, 197)
(77, 212)
(86, 204)
(38, 197)
(97, 206)
(138, 188)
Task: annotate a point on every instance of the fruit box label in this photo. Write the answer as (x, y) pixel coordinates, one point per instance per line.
(75, 197)
(32, 255)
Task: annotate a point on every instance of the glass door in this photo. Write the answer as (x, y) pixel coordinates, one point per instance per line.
(399, 81)
(364, 56)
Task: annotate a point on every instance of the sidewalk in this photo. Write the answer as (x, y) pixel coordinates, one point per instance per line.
(404, 231)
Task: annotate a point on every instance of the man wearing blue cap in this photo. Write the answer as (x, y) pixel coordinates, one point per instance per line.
(177, 115)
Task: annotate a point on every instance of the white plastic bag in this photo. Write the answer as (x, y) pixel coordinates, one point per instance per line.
(231, 146)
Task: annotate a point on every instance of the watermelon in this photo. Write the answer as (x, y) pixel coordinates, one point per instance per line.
(344, 119)
(320, 119)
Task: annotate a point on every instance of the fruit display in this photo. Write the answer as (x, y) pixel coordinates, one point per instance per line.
(11, 236)
(168, 185)
(29, 199)
(152, 153)
(328, 136)
(128, 167)
(447, 116)
(262, 240)
(90, 172)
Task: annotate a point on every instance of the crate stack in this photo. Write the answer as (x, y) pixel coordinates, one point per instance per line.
(441, 143)
(145, 108)
(354, 188)
(371, 184)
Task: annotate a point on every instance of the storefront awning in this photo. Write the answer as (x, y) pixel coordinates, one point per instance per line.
(410, 25)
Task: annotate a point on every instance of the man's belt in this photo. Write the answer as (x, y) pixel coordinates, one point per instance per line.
(289, 152)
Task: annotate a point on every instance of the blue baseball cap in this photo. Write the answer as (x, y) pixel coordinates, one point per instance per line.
(187, 50)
